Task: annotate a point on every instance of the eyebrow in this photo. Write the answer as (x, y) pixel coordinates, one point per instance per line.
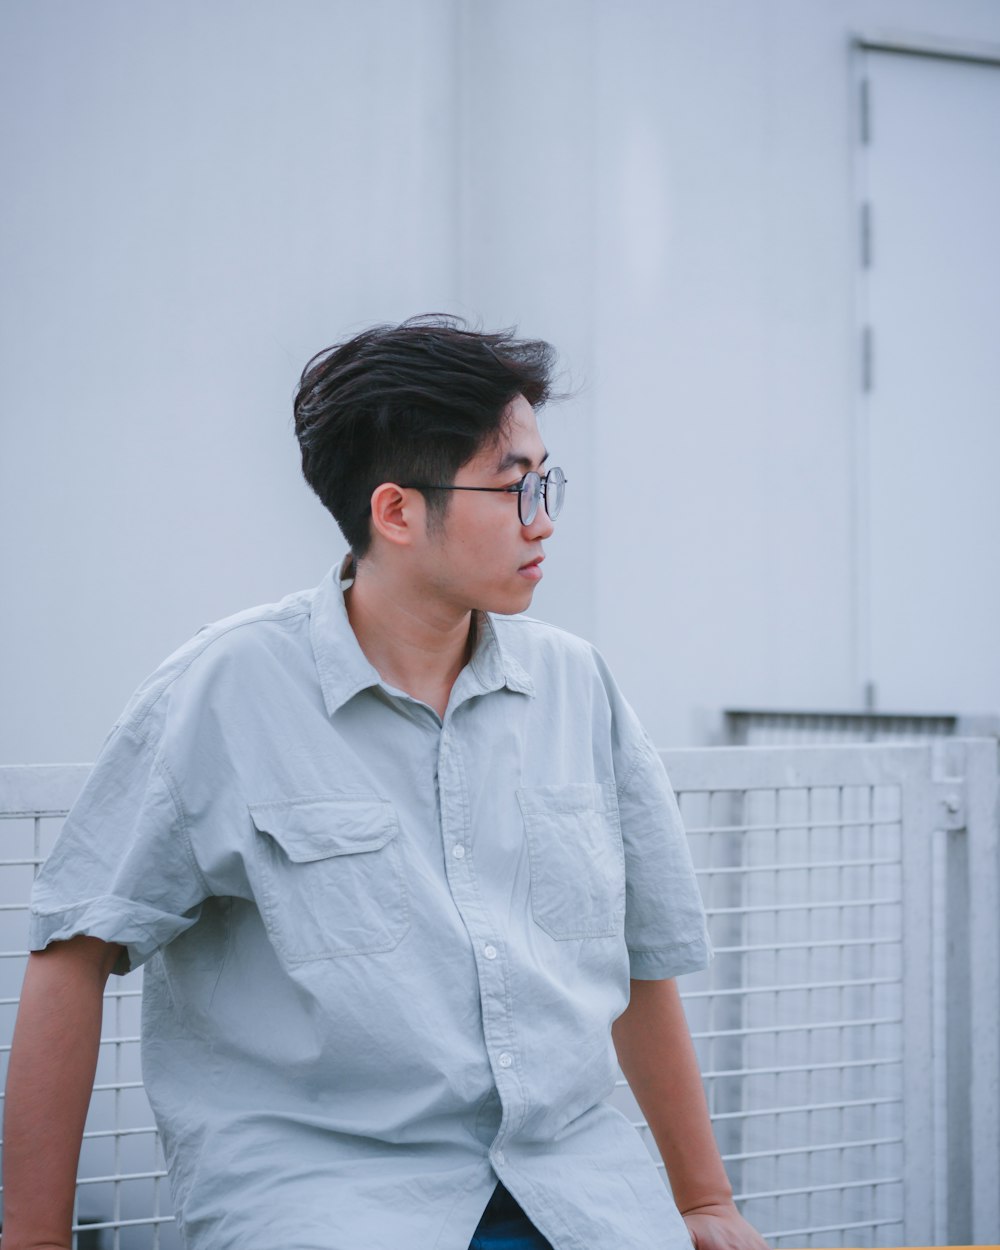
(519, 460)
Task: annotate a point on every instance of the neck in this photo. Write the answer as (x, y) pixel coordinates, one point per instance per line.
(416, 643)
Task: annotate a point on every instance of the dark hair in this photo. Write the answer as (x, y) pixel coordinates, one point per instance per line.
(412, 402)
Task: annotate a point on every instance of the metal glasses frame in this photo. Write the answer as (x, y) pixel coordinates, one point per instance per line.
(538, 493)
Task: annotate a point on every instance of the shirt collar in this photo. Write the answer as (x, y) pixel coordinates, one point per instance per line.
(344, 669)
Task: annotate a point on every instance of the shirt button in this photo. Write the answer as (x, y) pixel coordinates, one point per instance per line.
(458, 851)
(505, 1059)
(490, 951)
(500, 1157)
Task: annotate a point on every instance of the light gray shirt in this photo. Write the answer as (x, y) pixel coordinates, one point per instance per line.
(385, 950)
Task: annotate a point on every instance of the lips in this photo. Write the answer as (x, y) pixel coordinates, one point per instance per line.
(531, 563)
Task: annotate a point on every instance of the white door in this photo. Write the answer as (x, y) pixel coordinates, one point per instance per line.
(932, 411)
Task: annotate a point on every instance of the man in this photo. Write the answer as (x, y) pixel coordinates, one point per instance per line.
(403, 865)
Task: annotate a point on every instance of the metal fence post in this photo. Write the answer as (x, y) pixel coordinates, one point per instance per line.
(918, 812)
(983, 824)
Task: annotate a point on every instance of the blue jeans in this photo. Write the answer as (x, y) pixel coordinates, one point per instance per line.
(504, 1226)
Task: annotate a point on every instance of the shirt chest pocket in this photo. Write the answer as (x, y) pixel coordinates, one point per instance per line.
(576, 857)
(331, 880)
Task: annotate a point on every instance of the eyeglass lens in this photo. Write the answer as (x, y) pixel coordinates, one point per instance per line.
(530, 495)
(555, 490)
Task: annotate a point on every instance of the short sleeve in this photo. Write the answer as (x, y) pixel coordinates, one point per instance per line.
(122, 868)
(665, 928)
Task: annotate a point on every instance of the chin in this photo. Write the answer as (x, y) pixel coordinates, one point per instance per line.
(504, 597)
(505, 605)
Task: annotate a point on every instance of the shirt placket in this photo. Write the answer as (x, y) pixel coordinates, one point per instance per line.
(489, 947)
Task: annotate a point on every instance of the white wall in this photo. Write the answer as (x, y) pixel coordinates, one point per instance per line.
(705, 236)
(201, 196)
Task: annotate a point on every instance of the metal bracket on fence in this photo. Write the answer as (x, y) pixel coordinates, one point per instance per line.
(965, 798)
(949, 804)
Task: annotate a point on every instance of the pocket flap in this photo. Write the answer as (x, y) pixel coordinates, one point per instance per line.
(311, 829)
(572, 796)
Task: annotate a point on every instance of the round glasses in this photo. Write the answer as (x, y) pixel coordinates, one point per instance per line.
(531, 490)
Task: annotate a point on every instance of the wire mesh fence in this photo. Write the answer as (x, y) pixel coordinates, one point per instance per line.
(122, 1200)
(840, 1028)
(799, 1021)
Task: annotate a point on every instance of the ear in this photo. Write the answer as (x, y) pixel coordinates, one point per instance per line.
(397, 514)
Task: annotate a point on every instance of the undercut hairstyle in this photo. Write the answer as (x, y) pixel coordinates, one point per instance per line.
(412, 402)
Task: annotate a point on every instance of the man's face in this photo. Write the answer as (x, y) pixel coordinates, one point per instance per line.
(483, 557)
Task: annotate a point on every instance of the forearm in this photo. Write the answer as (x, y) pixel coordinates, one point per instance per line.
(49, 1082)
(658, 1059)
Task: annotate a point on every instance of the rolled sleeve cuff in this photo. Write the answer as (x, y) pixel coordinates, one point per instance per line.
(670, 961)
(141, 930)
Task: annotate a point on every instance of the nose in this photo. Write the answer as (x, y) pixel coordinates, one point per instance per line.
(541, 525)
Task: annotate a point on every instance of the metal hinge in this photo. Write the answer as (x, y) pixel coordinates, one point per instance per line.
(865, 112)
(866, 235)
(867, 359)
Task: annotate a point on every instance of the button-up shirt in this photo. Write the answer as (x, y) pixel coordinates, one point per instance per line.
(384, 949)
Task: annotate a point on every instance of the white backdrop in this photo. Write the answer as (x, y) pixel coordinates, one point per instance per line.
(198, 197)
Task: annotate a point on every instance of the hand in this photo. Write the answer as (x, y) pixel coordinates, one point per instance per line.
(719, 1226)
